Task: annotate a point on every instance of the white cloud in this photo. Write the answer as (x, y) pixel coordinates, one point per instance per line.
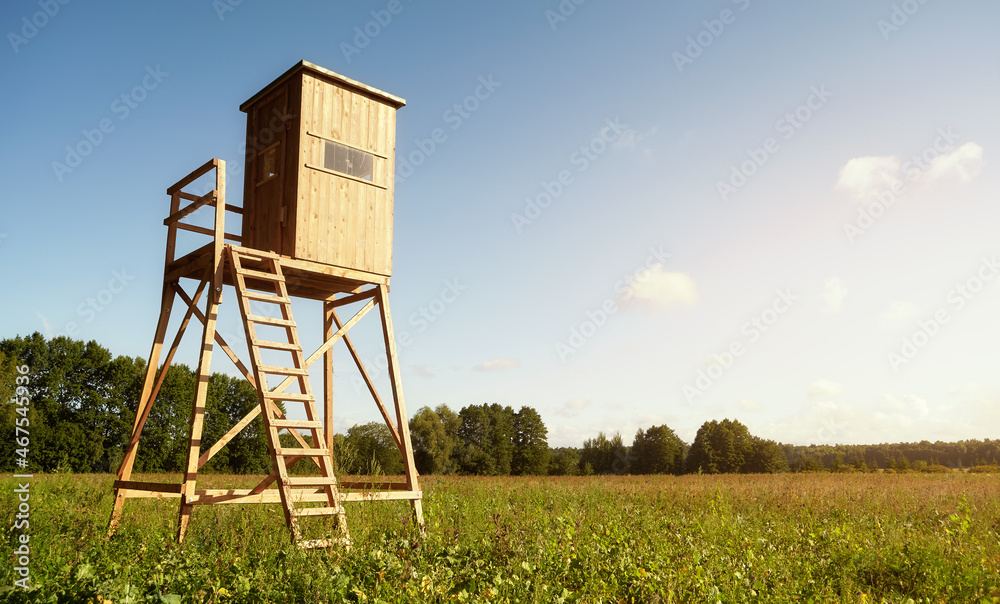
(903, 408)
(878, 419)
(750, 405)
(863, 177)
(499, 364)
(963, 163)
(822, 389)
(657, 289)
(573, 407)
(833, 295)
(900, 314)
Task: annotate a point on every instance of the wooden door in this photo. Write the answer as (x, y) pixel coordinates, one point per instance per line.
(267, 144)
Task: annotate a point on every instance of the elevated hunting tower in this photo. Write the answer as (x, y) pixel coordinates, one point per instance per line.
(316, 224)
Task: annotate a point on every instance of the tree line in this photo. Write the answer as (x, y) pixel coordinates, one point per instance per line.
(83, 402)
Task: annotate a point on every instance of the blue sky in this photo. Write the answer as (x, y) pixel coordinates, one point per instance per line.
(782, 213)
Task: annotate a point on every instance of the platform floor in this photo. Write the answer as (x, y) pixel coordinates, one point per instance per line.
(303, 278)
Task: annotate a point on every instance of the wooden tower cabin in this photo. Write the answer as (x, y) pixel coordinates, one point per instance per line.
(316, 224)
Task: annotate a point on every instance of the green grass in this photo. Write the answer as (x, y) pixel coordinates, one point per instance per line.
(773, 538)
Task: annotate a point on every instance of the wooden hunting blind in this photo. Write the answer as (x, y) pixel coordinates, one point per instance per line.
(319, 178)
(317, 224)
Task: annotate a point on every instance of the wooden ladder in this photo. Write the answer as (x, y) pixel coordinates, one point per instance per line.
(268, 287)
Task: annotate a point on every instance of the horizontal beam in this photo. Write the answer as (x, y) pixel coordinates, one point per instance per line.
(190, 178)
(190, 197)
(354, 298)
(204, 231)
(246, 496)
(243, 496)
(381, 486)
(382, 496)
(150, 495)
(194, 206)
(308, 268)
(233, 496)
(155, 487)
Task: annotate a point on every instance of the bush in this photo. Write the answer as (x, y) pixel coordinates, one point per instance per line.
(984, 469)
(937, 468)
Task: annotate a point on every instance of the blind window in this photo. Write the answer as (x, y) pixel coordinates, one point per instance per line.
(347, 160)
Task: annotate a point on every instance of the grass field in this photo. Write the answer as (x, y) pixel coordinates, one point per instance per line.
(771, 538)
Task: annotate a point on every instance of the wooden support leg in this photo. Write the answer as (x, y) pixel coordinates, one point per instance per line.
(328, 331)
(397, 395)
(198, 412)
(125, 470)
(418, 515)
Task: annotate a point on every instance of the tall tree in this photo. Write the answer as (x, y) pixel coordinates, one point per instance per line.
(83, 403)
(375, 448)
(564, 461)
(768, 457)
(720, 447)
(657, 451)
(434, 433)
(603, 455)
(486, 433)
(76, 391)
(728, 447)
(531, 446)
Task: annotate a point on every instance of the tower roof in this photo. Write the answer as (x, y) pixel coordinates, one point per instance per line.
(326, 74)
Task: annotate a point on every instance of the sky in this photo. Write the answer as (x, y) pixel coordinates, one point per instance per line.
(637, 213)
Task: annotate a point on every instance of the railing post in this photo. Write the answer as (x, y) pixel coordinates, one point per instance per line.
(220, 230)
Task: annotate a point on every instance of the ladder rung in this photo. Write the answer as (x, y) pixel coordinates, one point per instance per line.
(275, 370)
(246, 272)
(335, 511)
(255, 254)
(270, 321)
(299, 452)
(294, 423)
(276, 345)
(309, 481)
(265, 297)
(321, 543)
(288, 396)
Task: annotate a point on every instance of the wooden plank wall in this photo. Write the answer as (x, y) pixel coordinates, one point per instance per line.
(338, 220)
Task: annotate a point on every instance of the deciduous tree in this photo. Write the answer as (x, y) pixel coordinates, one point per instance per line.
(531, 446)
(657, 451)
(434, 434)
(486, 434)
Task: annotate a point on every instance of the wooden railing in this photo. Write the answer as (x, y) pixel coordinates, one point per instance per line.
(214, 198)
